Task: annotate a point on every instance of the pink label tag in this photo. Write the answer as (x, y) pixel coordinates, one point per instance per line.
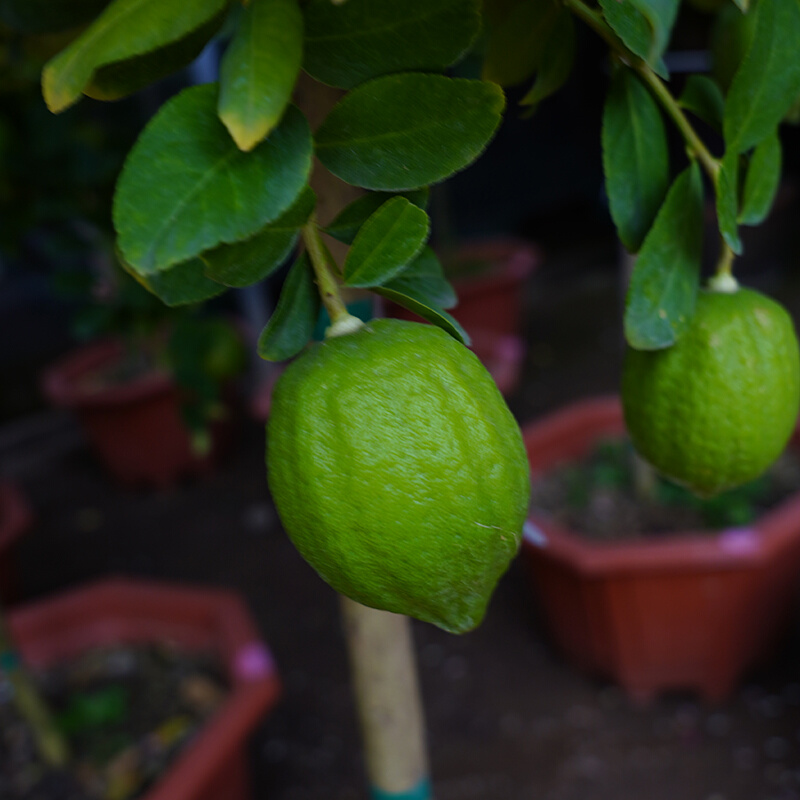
(252, 662)
(740, 541)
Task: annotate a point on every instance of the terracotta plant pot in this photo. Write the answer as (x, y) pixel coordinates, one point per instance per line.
(15, 519)
(134, 427)
(692, 610)
(214, 764)
(492, 299)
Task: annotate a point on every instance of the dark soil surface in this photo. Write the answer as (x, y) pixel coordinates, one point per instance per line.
(125, 713)
(508, 718)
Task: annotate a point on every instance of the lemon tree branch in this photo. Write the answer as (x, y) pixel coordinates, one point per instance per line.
(662, 94)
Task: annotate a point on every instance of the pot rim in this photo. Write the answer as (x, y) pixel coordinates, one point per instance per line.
(62, 381)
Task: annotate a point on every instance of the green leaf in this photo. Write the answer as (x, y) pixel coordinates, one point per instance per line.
(349, 220)
(130, 45)
(515, 46)
(249, 261)
(387, 241)
(663, 289)
(407, 131)
(48, 16)
(556, 61)
(635, 157)
(424, 279)
(179, 285)
(761, 182)
(408, 297)
(259, 69)
(645, 26)
(186, 188)
(702, 96)
(349, 43)
(727, 189)
(768, 81)
(291, 325)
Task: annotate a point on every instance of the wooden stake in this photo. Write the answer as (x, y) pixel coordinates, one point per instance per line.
(388, 700)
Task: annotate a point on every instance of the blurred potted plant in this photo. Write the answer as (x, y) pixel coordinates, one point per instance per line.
(204, 754)
(683, 608)
(152, 387)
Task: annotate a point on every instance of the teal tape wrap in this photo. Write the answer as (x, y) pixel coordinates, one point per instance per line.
(422, 791)
(9, 660)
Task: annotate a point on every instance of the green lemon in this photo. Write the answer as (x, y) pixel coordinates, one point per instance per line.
(716, 409)
(398, 471)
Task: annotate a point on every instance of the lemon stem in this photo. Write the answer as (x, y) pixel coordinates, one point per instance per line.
(723, 280)
(327, 284)
(387, 694)
(658, 88)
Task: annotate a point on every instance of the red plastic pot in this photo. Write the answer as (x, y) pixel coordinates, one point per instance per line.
(15, 519)
(135, 427)
(493, 299)
(693, 610)
(214, 765)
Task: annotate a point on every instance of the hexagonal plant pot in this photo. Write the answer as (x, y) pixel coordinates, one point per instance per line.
(689, 610)
(214, 764)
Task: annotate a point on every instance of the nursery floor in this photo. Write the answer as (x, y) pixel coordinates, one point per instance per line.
(508, 719)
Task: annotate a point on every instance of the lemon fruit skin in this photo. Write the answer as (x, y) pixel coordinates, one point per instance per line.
(717, 408)
(398, 471)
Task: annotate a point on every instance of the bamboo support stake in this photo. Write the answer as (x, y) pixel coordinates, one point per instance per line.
(388, 701)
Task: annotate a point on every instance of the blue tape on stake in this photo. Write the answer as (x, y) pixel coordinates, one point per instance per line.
(422, 791)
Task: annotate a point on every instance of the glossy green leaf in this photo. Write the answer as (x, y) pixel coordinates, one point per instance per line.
(390, 239)
(702, 96)
(186, 188)
(761, 182)
(635, 157)
(408, 297)
(181, 284)
(292, 323)
(516, 45)
(48, 16)
(645, 26)
(251, 260)
(349, 43)
(768, 81)
(259, 69)
(131, 44)
(663, 289)
(424, 279)
(408, 131)
(727, 191)
(556, 61)
(349, 220)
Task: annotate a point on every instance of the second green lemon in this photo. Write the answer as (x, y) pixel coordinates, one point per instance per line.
(716, 409)
(398, 471)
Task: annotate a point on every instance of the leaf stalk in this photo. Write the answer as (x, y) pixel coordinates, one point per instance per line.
(327, 285)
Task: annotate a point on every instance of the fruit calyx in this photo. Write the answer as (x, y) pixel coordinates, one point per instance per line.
(345, 324)
(723, 282)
